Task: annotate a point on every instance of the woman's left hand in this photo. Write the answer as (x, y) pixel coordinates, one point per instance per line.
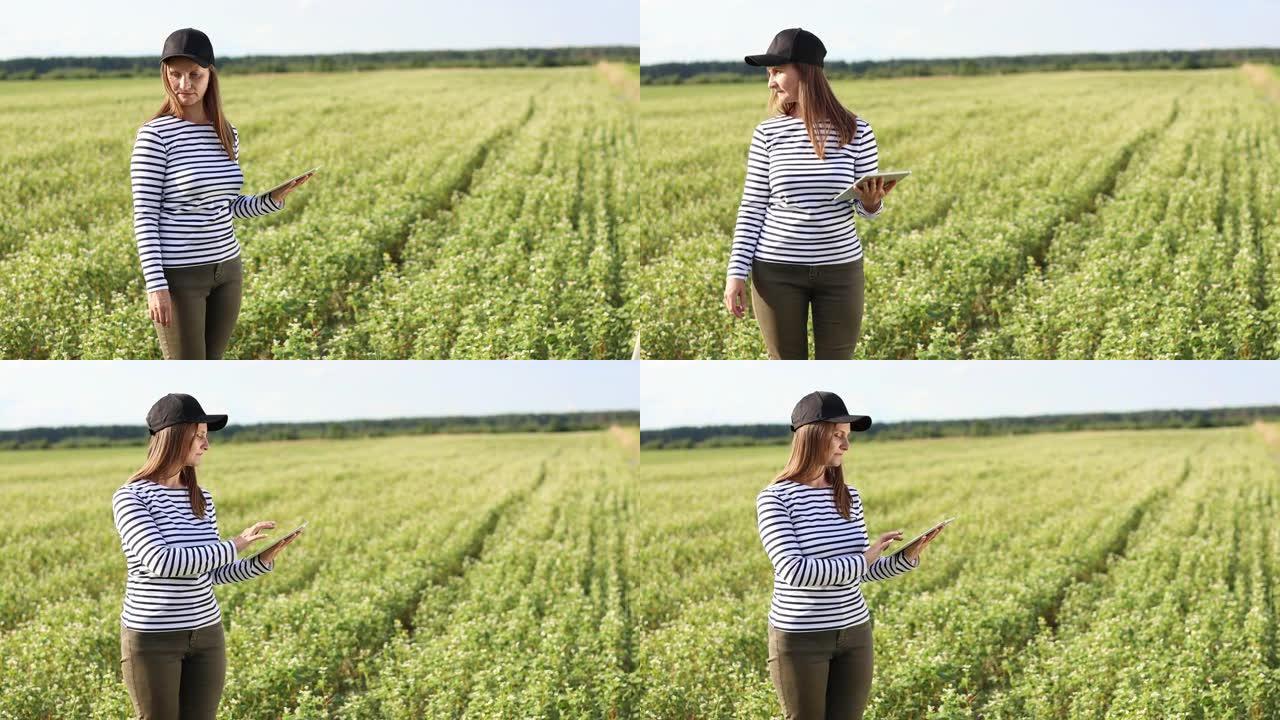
(282, 193)
(872, 192)
(913, 552)
(270, 555)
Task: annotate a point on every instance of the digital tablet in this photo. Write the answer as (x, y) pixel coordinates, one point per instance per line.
(848, 193)
(308, 173)
(277, 542)
(921, 536)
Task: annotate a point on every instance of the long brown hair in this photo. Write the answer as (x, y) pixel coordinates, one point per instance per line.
(818, 107)
(212, 107)
(810, 448)
(166, 455)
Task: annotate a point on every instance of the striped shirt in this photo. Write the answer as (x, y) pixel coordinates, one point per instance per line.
(817, 557)
(787, 213)
(173, 558)
(185, 192)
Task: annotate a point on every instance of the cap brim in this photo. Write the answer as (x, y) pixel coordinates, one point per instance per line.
(193, 58)
(857, 423)
(217, 422)
(766, 60)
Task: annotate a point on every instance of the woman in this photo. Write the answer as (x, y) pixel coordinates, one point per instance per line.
(800, 246)
(812, 527)
(173, 654)
(186, 189)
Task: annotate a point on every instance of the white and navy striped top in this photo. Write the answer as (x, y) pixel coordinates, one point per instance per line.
(787, 213)
(185, 192)
(173, 558)
(817, 558)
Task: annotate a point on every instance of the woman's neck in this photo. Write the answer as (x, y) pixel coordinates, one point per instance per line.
(172, 482)
(195, 114)
(818, 481)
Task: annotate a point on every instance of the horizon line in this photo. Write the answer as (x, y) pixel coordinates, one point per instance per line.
(1051, 414)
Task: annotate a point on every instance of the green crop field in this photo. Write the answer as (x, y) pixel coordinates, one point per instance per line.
(1088, 575)
(457, 214)
(1069, 215)
(439, 577)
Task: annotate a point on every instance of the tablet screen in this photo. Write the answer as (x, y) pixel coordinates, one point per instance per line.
(920, 537)
(295, 531)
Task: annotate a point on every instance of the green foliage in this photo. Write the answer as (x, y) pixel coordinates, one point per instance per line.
(764, 434)
(458, 213)
(736, 71)
(437, 575)
(1089, 575)
(1073, 215)
(103, 435)
(61, 68)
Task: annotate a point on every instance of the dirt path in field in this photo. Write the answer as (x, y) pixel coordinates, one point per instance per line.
(1263, 78)
(461, 189)
(1270, 433)
(628, 437)
(349, 680)
(1094, 572)
(624, 81)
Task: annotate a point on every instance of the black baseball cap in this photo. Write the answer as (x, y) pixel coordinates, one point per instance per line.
(793, 45)
(827, 406)
(188, 43)
(175, 409)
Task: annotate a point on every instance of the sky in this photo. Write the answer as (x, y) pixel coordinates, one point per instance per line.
(45, 393)
(677, 30)
(287, 27)
(739, 393)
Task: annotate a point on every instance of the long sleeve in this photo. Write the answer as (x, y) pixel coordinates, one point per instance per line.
(789, 564)
(147, 168)
(238, 570)
(247, 206)
(868, 161)
(140, 535)
(751, 212)
(890, 566)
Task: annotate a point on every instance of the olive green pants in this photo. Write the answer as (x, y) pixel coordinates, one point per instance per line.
(175, 674)
(782, 295)
(823, 675)
(206, 303)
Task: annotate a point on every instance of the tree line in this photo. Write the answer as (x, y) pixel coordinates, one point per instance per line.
(748, 435)
(738, 71)
(40, 438)
(54, 68)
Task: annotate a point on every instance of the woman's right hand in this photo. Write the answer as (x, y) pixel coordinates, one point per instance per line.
(879, 546)
(735, 296)
(252, 534)
(160, 307)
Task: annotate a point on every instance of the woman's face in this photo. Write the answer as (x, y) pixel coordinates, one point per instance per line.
(785, 81)
(199, 445)
(839, 444)
(187, 80)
